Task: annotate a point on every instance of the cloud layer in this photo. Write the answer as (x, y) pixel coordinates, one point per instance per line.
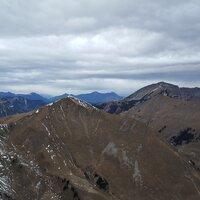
(79, 46)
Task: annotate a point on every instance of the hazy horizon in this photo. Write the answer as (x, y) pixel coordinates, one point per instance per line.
(89, 92)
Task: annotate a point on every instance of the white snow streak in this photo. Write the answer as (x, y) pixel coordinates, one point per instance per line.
(46, 129)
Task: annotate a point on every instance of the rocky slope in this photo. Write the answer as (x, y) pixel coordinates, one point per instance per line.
(148, 92)
(71, 150)
(176, 121)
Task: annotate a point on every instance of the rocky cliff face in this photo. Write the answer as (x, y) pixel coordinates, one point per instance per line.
(71, 150)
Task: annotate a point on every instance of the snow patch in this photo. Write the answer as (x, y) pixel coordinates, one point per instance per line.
(50, 104)
(125, 158)
(52, 156)
(61, 108)
(64, 162)
(3, 126)
(82, 103)
(137, 175)
(111, 149)
(5, 185)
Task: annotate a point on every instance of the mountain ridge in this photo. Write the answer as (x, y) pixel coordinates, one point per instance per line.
(85, 153)
(93, 97)
(148, 92)
(10, 102)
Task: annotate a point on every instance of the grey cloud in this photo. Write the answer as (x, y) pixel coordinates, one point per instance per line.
(83, 45)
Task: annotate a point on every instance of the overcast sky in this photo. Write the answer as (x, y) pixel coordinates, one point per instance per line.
(78, 46)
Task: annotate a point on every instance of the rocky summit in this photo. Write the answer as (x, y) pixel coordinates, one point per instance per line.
(72, 150)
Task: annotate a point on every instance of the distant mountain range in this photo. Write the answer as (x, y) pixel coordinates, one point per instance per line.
(18, 104)
(93, 98)
(31, 96)
(11, 103)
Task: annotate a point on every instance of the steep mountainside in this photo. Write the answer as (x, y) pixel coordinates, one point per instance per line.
(149, 92)
(175, 120)
(70, 150)
(15, 105)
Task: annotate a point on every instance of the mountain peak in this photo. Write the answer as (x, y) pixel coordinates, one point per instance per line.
(81, 102)
(164, 88)
(165, 84)
(34, 93)
(71, 101)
